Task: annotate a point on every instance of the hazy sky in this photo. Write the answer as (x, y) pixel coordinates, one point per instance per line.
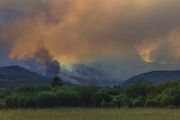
(124, 37)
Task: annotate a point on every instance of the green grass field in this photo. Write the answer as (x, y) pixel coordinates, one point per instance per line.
(90, 114)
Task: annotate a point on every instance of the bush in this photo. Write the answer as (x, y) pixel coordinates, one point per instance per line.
(152, 103)
(138, 102)
(177, 97)
(45, 99)
(11, 101)
(135, 95)
(86, 94)
(31, 89)
(101, 96)
(114, 91)
(2, 104)
(67, 98)
(30, 101)
(167, 100)
(20, 101)
(122, 101)
(140, 88)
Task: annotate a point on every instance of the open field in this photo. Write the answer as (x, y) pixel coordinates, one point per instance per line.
(90, 114)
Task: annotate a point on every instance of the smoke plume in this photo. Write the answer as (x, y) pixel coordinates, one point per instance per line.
(42, 60)
(128, 36)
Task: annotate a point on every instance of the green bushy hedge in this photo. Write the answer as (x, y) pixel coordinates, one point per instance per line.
(139, 94)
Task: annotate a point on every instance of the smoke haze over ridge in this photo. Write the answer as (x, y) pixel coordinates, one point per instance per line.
(124, 37)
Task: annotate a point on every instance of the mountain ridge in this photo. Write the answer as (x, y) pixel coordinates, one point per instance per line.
(158, 76)
(15, 71)
(14, 76)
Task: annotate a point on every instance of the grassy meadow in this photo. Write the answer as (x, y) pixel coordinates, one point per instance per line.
(89, 114)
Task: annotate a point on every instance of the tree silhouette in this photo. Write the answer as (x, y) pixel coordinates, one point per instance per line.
(56, 82)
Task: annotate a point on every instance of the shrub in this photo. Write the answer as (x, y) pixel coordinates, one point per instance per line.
(114, 91)
(86, 94)
(67, 98)
(167, 100)
(135, 95)
(45, 99)
(138, 102)
(2, 104)
(11, 101)
(31, 89)
(122, 101)
(177, 97)
(139, 88)
(152, 102)
(101, 96)
(29, 101)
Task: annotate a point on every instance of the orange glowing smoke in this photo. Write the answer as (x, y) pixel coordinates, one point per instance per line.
(82, 30)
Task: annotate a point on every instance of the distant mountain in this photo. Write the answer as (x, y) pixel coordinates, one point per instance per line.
(17, 72)
(13, 76)
(87, 75)
(156, 77)
(69, 81)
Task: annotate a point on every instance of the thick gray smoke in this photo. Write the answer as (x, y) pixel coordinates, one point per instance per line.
(42, 62)
(90, 75)
(134, 36)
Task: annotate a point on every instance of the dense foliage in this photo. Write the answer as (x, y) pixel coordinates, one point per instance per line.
(138, 94)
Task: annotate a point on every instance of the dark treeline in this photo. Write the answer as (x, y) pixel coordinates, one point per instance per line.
(138, 94)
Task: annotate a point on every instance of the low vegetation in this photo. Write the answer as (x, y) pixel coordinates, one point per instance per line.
(89, 114)
(138, 94)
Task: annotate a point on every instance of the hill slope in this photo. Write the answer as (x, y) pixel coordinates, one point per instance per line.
(88, 75)
(13, 76)
(156, 77)
(16, 72)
